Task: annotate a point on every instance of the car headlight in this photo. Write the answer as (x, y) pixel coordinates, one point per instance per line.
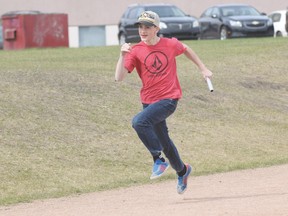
(162, 25)
(195, 24)
(269, 22)
(235, 23)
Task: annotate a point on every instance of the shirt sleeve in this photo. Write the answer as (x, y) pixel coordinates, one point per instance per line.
(130, 62)
(179, 47)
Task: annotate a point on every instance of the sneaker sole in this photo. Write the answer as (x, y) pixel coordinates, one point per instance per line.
(181, 192)
(158, 176)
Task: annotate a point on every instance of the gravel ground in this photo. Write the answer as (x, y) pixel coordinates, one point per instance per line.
(257, 192)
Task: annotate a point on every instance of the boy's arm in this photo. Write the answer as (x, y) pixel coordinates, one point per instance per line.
(190, 54)
(121, 71)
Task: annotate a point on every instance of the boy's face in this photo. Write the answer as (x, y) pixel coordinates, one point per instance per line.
(147, 33)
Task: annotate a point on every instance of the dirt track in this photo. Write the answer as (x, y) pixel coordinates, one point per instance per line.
(259, 192)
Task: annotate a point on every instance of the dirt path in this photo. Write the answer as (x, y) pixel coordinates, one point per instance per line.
(258, 192)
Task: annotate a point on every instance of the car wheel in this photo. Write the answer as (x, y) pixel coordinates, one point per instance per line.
(223, 33)
(279, 34)
(122, 39)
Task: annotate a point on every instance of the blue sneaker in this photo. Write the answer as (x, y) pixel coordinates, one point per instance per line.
(182, 181)
(159, 168)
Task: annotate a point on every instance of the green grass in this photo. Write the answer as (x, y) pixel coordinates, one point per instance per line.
(65, 124)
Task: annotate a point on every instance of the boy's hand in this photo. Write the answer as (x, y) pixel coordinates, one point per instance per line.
(207, 73)
(125, 48)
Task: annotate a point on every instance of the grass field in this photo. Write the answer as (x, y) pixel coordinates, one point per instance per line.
(65, 124)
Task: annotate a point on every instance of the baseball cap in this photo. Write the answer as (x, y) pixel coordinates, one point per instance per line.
(148, 18)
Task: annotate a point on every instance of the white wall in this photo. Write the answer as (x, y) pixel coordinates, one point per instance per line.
(111, 35)
(73, 36)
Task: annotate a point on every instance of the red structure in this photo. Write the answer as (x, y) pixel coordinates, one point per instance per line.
(26, 30)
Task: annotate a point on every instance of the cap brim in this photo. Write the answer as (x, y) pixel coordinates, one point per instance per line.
(144, 23)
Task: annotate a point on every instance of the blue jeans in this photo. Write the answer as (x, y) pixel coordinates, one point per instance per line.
(150, 125)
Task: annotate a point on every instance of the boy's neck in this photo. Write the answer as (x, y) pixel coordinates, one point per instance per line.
(153, 41)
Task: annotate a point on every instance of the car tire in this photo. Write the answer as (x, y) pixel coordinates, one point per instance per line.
(223, 33)
(279, 34)
(122, 38)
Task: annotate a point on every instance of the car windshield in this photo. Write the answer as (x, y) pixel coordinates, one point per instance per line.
(239, 11)
(166, 11)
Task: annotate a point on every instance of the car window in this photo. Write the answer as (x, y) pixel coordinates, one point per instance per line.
(134, 13)
(178, 12)
(275, 17)
(167, 11)
(207, 13)
(226, 12)
(239, 11)
(124, 15)
(216, 12)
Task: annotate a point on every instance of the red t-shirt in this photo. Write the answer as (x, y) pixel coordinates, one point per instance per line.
(156, 66)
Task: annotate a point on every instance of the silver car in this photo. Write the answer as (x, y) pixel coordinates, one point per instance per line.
(234, 20)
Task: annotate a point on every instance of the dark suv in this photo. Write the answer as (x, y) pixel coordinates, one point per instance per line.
(173, 22)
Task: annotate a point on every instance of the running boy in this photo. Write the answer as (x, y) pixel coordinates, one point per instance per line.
(155, 61)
